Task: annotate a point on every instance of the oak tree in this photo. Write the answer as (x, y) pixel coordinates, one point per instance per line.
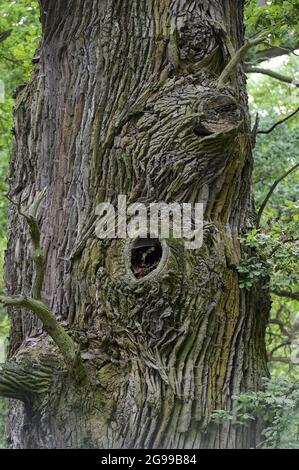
(147, 99)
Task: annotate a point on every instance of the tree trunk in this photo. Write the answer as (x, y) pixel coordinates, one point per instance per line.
(126, 99)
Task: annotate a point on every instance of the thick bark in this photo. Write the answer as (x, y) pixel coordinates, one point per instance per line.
(125, 99)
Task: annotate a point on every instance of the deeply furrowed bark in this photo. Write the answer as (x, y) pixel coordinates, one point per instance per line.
(126, 99)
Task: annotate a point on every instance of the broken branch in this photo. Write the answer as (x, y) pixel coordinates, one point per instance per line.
(35, 303)
(231, 67)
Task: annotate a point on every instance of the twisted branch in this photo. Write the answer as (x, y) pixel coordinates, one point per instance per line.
(35, 303)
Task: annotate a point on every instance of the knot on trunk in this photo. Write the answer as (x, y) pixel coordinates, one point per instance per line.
(196, 39)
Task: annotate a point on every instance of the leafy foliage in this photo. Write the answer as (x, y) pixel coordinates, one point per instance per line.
(277, 405)
(279, 17)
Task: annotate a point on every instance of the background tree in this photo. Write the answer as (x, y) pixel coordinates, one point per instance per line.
(19, 37)
(275, 153)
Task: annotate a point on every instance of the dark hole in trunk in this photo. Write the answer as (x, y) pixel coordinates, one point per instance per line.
(201, 131)
(146, 254)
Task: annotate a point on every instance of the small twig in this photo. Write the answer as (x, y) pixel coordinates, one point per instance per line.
(275, 51)
(271, 73)
(283, 329)
(279, 122)
(271, 191)
(281, 243)
(10, 59)
(279, 346)
(237, 57)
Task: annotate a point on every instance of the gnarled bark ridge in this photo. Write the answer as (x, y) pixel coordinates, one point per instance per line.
(144, 98)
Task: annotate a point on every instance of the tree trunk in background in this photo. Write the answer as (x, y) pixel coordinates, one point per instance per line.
(124, 100)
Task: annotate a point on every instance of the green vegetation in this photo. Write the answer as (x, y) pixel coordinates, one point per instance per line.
(276, 241)
(19, 37)
(275, 244)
